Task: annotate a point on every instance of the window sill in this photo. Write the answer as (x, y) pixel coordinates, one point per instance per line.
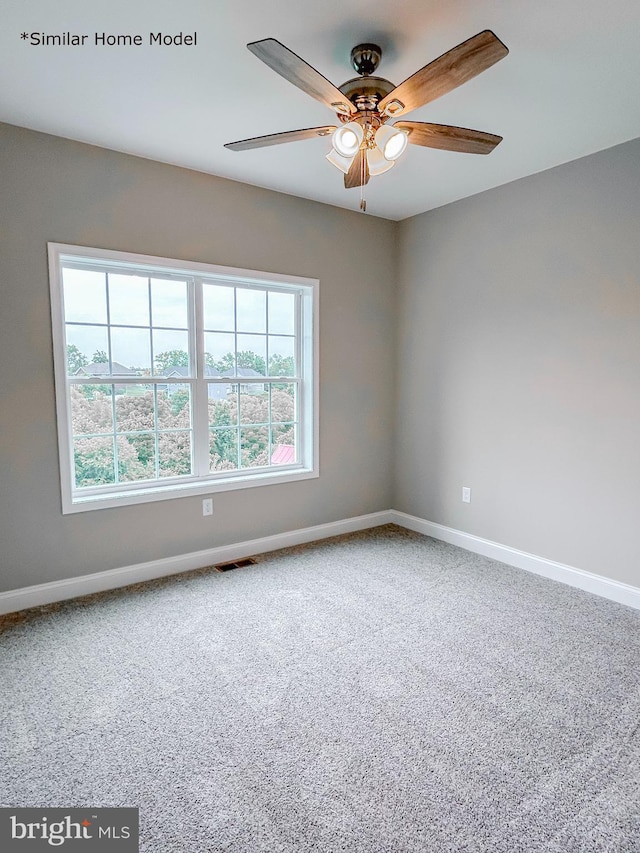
(155, 492)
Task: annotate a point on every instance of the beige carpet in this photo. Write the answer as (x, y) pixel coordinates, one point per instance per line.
(379, 692)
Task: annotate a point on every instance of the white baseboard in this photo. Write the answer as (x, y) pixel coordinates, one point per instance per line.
(48, 593)
(606, 587)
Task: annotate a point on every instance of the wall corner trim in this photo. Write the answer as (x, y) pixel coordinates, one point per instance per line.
(48, 593)
(597, 584)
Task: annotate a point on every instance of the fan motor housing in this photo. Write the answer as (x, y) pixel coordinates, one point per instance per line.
(366, 92)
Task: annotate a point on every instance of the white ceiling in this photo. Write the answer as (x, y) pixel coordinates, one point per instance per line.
(569, 86)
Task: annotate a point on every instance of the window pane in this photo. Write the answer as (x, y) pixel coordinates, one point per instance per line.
(283, 445)
(219, 351)
(223, 449)
(254, 406)
(85, 299)
(91, 409)
(128, 299)
(254, 447)
(93, 461)
(135, 408)
(171, 353)
(218, 391)
(223, 409)
(219, 314)
(174, 449)
(130, 351)
(281, 356)
(136, 457)
(283, 403)
(87, 350)
(169, 305)
(251, 307)
(281, 313)
(283, 434)
(252, 355)
(174, 407)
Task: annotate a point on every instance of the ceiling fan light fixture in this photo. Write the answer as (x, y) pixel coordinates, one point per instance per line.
(391, 141)
(377, 162)
(365, 144)
(340, 162)
(347, 139)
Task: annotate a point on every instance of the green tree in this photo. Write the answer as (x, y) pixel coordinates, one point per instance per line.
(90, 413)
(224, 364)
(75, 359)
(135, 457)
(93, 458)
(223, 443)
(171, 358)
(94, 461)
(100, 357)
(174, 449)
(179, 400)
(281, 365)
(246, 359)
(90, 391)
(282, 404)
(253, 446)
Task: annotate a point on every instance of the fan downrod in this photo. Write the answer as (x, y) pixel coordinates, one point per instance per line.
(365, 58)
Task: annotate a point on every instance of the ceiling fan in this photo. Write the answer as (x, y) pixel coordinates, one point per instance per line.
(365, 143)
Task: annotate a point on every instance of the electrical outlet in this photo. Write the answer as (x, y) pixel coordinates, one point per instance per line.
(207, 506)
(466, 495)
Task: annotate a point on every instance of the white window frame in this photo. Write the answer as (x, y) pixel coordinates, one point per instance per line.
(104, 497)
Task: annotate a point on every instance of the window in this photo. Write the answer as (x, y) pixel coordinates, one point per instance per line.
(176, 378)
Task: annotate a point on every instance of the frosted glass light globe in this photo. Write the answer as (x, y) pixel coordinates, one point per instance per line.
(346, 139)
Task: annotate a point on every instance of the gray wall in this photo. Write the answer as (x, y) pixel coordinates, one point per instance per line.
(56, 190)
(519, 364)
(518, 356)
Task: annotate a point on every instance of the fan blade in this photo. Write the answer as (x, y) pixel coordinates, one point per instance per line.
(278, 138)
(449, 138)
(354, 176)
(449, 71)
(294, 69)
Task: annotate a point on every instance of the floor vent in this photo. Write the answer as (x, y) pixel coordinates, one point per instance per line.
(237, 564)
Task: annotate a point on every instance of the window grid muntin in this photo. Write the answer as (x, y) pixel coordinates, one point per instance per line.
(156, 431)
(200, 380)
(269, 424)
(108, 268)
(295, 336)
(153, 379)
(305, 292)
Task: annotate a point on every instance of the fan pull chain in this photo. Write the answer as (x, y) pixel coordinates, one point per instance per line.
(363, 166)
